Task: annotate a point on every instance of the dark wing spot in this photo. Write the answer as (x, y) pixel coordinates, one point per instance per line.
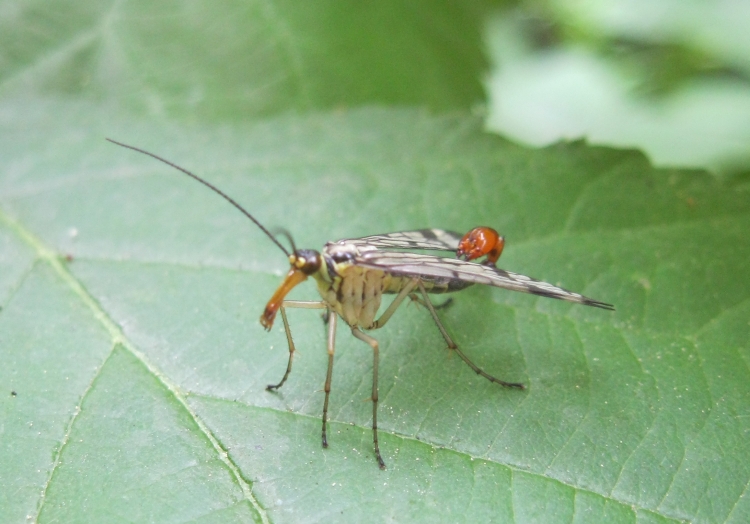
(428, 234)
(579, 298)
(544, 293)
(458, 284)
(502, 273)
(596, 303)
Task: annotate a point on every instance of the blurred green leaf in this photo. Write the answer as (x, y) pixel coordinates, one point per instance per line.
(668, 77)
(200, 61)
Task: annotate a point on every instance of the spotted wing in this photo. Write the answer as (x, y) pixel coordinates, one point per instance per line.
(437, 239)
(455, 274)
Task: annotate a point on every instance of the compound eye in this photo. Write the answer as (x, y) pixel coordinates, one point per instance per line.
(306, 260)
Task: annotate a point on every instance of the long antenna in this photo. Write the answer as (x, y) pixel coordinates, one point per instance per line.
(210, 186)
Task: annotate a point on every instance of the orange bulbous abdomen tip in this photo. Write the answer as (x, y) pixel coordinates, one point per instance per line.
(479, 242)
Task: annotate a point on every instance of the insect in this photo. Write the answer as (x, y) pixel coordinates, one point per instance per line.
(352, 276)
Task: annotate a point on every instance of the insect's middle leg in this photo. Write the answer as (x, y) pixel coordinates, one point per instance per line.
(375, 355)
(407, 291)
(330, 344)
(416, 298)
(391, 309)
(452, 345)
(288, 331)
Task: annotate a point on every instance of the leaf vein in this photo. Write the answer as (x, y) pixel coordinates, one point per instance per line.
(50, 257)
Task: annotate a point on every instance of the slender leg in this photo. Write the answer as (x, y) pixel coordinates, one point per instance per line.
(416, 298)
(452, 345)
(330, 344)
(408, 288)
(375, 352)
(290, 343)
(288, 331)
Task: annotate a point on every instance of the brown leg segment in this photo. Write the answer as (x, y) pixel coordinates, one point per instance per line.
(288, 331)
(416, 298)
(290, 342)
(327, 388)
(452, 345)
(375, 353)
(391, 309)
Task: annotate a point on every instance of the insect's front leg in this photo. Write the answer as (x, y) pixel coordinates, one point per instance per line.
(295, 304)
(452, 345)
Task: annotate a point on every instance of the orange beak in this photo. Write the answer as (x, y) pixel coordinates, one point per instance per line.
(294, 277)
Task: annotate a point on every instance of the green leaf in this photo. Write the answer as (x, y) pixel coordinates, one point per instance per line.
(140, 367)
(132, 364)
(200, 61)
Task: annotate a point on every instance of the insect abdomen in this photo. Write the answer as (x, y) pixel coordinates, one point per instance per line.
(355, 292)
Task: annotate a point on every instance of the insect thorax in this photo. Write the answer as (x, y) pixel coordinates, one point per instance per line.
(354, 292)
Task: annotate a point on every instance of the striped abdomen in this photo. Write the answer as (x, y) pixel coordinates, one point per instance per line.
(355, 293)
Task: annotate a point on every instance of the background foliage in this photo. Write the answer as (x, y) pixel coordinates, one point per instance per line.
(671, 78)
(133, 367)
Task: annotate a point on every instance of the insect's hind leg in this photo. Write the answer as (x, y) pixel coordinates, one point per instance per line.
(452, 345)
(375, 355)
(288, 331)
(391, 309)
(416, 298)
